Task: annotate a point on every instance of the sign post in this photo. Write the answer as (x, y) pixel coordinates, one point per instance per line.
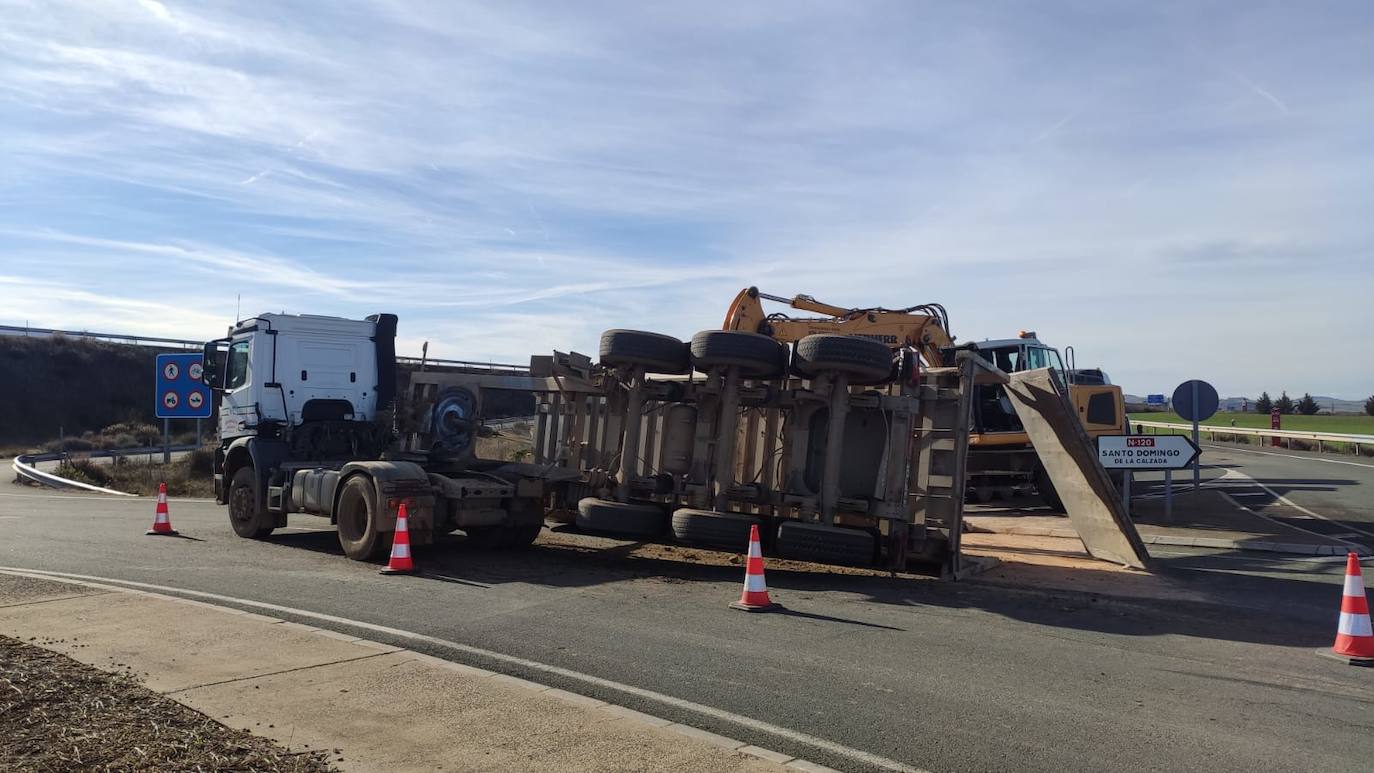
(179, 395)
(1149, 452)
(1196, 401)
(1275, 422)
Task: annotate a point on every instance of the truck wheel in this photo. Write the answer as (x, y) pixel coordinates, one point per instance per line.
(865, 360)
(620, 519)
(357, 520)
(712, 529)
(825, 544)
(1045, 487)
(757, 356)
(656, 353)
(244, 515)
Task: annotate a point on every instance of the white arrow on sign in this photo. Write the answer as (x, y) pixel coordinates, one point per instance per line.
(1146, 452)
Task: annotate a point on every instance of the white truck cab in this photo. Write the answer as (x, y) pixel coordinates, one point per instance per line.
(287, 369)
(306, 426)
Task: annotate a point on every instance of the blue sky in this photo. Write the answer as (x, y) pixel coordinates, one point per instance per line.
(1178, 190)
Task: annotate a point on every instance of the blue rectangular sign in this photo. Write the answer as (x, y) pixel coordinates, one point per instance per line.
(1154, 399)
(180, 393)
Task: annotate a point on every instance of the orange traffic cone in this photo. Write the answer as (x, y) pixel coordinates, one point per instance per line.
(755, 595)
(1354, 639)
(400, 562)
(162, 521)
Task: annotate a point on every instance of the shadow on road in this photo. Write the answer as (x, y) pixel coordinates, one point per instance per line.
(1294, 604)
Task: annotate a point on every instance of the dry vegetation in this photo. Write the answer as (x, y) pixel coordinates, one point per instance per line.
(60, 715)
(189, 476)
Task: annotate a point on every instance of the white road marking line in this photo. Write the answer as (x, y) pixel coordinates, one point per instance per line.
(1285, 500)
(1287, 456)
(758, 725)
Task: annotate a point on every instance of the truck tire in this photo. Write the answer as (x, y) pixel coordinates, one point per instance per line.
(1045, 488)
(656, 353)
(712, 529)
(356, 517)
(865, 360)
(620, 519)
(825, 544)
(757, 356)
(245, 516)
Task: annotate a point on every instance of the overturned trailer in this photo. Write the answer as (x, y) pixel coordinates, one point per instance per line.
(837, 448)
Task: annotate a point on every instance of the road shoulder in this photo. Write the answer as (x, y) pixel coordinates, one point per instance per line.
(383, 706)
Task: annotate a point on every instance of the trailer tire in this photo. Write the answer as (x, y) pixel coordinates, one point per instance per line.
(825, 544)
(655, 352)
(620, 519)
(756, 355)
(1045, 488)
(864, 360)
(714, 529)
(245, 516)
(356, 517)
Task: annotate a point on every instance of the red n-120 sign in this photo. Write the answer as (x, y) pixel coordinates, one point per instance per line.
(1140, 442)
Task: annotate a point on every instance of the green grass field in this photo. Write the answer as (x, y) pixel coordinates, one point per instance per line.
(1356, 425)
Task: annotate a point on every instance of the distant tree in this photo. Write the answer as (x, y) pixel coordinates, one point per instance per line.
(1307, 406)
(1369, 405)
(1284, 403)
(1264, 404)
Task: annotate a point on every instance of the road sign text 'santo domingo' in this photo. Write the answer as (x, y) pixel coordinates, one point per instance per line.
(1146, 452)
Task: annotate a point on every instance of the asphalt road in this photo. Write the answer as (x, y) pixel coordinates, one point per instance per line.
(940, 676)
(1330, 494)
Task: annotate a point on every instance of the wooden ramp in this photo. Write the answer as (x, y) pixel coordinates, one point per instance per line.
(1070, 458)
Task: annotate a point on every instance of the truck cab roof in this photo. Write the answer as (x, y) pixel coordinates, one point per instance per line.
(314, 324)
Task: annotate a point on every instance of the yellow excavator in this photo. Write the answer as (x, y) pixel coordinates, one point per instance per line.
(1001, 461)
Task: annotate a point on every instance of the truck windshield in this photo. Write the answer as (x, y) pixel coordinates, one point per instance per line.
(237, 370)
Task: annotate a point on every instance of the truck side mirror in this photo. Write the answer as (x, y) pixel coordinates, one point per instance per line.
(210, 374)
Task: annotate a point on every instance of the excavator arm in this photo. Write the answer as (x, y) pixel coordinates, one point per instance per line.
(925, 327)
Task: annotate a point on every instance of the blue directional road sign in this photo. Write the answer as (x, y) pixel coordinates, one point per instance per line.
(1154, 399)
(180, 393)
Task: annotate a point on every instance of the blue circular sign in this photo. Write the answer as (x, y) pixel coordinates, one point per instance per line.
(1200, 409)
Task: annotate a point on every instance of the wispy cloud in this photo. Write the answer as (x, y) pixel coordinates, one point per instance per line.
(514, 176)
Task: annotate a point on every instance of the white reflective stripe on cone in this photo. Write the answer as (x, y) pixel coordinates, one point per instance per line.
(400, 551)
(1354, 585)
(1354, 625)
(753, 583)
(754, 550)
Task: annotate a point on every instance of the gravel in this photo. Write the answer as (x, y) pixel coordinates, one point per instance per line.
(60, 715)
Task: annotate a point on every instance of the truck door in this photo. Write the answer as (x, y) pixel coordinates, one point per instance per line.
(238, 408)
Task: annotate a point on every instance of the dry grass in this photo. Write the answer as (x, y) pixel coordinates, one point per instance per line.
(511, 444)
(190, 476)
(60, 715)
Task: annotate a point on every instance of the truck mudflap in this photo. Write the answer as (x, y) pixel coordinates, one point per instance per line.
(397, 482)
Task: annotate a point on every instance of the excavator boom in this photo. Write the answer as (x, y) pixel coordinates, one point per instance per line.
(925, 327)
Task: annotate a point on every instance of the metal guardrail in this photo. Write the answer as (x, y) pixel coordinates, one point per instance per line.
(1320, 438)
(23, 466)
(182, 343)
